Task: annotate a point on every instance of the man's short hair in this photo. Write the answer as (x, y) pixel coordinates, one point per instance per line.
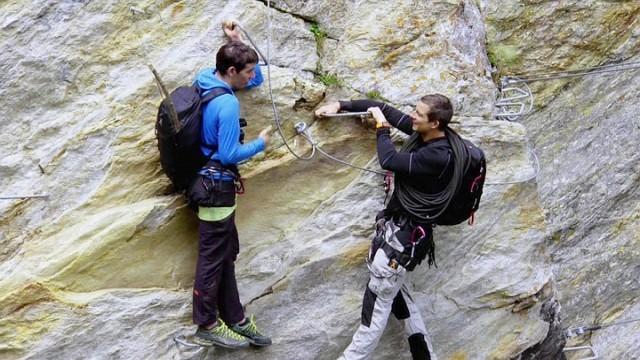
(440, 109)
(236, 54)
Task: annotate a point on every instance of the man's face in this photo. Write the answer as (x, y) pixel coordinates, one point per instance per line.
(420, 119)
(238, 80)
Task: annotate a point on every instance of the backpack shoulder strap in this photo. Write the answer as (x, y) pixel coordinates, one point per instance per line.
(214, 93)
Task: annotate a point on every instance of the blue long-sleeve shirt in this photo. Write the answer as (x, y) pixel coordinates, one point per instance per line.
(221, 121)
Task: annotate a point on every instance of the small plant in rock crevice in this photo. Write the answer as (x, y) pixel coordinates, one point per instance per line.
(329, 79)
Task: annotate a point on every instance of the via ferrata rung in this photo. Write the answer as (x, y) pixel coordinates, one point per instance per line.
(514, 101)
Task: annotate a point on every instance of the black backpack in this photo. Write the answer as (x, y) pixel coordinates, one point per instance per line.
(467, 200)
(180, 154)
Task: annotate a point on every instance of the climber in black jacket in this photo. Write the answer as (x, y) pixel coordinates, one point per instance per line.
(402, 240)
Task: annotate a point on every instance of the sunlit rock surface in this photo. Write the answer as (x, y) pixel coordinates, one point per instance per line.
(103, 267)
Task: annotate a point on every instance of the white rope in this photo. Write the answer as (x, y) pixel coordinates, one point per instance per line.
(536, 171)
(314, 146)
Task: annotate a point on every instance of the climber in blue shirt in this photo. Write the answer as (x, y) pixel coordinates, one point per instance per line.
(220, 119)
(217, 309)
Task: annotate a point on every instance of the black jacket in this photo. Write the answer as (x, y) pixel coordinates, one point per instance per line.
(428, 168)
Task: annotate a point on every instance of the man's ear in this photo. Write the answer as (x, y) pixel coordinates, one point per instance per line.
(231, 71)
(435, 124)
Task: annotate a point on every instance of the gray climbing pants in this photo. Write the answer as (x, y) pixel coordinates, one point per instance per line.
(387, 293)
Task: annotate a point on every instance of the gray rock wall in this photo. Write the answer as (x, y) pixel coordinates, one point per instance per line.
(103, 267)
(585, 132)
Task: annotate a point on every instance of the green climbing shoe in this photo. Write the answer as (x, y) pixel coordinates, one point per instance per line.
(220, 335)
(250, 331)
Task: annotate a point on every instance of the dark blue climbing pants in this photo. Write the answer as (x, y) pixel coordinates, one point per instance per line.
(215, 284)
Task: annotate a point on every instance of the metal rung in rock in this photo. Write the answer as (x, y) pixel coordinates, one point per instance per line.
(592, 356)
(515, 101)
(189, 349)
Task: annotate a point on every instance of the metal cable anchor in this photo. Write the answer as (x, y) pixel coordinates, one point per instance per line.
(301, 127)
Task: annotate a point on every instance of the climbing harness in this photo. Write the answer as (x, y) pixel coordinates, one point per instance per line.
(516, 99)
(43, 196)
(217, 175)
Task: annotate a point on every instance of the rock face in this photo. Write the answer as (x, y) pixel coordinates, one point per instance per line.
(102, 268)
(585, 132)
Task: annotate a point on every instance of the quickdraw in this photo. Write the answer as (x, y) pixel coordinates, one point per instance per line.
(413, 240)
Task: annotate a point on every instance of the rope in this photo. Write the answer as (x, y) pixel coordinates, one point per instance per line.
(24, 197)
(572, 332)
(535, 173)
(267, 60)
(425, 206)
(571, 73)
(314, 146)
(618, 323)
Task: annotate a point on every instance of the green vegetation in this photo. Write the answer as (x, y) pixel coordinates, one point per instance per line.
(504, 56)
(318, 33)
(375, 95)
(329, 79)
